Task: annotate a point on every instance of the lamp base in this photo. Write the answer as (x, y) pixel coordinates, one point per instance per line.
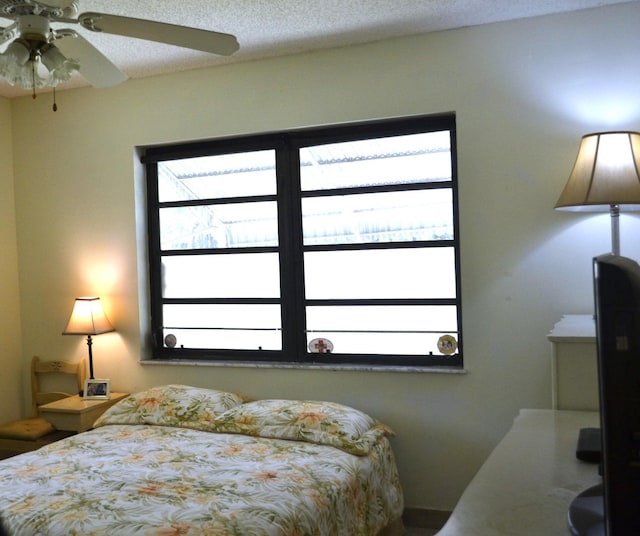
(614, 213)
(90, 344)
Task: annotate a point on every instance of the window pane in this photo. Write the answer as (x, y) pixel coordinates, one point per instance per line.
(252, 275)
(381, 217)
(414, 158)
(383, 343)
(381, 273)
(410, 330)
(219, 226)
(242, 327)
(215, 177)
(400, 318)
(226, 339)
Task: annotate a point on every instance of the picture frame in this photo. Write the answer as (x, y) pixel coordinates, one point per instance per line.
(96, 389)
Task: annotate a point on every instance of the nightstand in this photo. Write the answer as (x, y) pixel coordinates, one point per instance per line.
(574, 364)
(75, 414)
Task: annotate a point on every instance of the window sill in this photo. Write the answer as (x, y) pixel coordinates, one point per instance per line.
(336, 367)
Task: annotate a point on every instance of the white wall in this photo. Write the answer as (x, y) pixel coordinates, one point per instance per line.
(10, 347)
(524, 92)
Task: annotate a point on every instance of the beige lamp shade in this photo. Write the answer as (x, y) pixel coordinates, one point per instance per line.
(606, 173)
(88, 318)
(605, 177)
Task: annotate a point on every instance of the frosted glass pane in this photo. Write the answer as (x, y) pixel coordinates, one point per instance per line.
(415, 158)
(370, 329)
(382, 343)
(215, 177)
(381, 217)
(219, 226)
(381, 273)
(227, 339)
(252, 275)
(401, 318)
(233, 326)
(233, 316)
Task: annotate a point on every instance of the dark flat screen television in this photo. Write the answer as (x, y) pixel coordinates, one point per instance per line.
(613, 507)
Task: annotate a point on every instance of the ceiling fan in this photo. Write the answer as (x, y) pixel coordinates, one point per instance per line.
(40, 55)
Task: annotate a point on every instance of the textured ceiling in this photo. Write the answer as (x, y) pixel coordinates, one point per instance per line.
(277, 27)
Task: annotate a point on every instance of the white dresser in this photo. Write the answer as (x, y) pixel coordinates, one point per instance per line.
(527, 483)
(574, 365)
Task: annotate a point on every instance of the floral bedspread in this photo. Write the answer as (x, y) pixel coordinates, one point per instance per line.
(158, 480)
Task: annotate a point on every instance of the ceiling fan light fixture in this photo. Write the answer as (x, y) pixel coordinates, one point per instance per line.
(19, 65)
(26, 76)
(14, 63)
(60, 67)
(17, 51)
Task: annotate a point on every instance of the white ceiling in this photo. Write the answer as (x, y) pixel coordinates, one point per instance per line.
(278, 27)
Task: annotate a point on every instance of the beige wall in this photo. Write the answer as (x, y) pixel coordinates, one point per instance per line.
(10, 345)
(524, 92)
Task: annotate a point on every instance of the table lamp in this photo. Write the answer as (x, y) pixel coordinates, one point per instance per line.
(605, 176)
(88, 318)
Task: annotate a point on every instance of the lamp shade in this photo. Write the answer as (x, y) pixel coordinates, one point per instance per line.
(606, 173)
(88, 318)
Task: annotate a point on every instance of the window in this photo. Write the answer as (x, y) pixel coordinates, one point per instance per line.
(329, 245)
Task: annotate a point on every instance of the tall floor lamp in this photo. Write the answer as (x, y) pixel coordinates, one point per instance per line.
(88, 318)
(605, 176)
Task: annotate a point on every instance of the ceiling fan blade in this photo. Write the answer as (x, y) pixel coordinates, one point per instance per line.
(182, 36)
(94, 66)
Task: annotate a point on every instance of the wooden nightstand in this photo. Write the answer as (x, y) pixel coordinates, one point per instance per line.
(74, 414)
(574, 364)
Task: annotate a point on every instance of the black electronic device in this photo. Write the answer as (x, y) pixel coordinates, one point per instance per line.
(611, 509)
(589, 447)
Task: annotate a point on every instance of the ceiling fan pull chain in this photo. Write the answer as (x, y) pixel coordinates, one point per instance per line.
(33, 78)
(55, 106)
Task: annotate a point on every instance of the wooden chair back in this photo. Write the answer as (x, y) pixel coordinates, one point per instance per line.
(42, 368)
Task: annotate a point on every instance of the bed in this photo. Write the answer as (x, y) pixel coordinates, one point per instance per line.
(179, 460)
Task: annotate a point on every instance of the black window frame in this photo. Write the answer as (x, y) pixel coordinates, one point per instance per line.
(291, 249)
